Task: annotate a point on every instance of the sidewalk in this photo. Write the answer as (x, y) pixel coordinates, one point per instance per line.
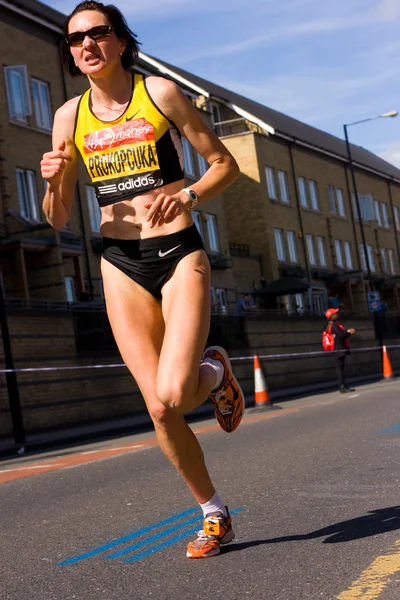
(142, 422)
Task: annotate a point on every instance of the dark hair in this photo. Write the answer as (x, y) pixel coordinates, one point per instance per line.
(121, 30)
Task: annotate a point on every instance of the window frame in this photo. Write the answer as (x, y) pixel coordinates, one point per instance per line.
(26, 106)
(321, 245)
(292, 247)
(348, 255)
(197, 215)
(271, 183)
(280, 245)
(283, 187)
(312, 257)
(338, 254)
(29, 183)
(93, 208)
(214, 237)
(313, 193)
(303, 192)
(44, 85)
(188, 158)
(340, 205)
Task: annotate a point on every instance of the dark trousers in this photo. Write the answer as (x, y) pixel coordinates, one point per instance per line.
(340, 360)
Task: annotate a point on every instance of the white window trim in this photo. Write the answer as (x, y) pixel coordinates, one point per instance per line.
(313, 190)
(292, 247)
(46, 86)
(94, 209)
(339, 254)
(303, 192)
(212, 232)
(188, 158)
(271, 183)
(198, 221)
(30, 184)
(283, 187)
(348, 255)
(22, 69)
(312, 257)
(323, 260)
(341, 210)
(279, 245)
(332, 200)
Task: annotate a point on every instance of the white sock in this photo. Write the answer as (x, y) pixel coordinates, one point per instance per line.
(218, 368)
(214, 505)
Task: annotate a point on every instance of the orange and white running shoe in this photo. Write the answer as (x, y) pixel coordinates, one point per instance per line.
(217, 530)
(228, 399)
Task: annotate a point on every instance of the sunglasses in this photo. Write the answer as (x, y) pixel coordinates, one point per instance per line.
(95, 33)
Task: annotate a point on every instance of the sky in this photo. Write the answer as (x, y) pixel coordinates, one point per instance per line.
(325, 63)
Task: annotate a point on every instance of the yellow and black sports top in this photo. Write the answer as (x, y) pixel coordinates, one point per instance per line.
(139, 151)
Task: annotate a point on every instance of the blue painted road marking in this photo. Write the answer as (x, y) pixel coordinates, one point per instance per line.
(158, 536)
(146, 541)
(169, 542)
(394, 428)
(127, 538)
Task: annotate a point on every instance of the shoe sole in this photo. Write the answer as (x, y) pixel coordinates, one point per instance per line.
(220, 417)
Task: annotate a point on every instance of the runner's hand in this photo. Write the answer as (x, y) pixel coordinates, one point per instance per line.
(53, 164)
(164, 209)
(351, 331)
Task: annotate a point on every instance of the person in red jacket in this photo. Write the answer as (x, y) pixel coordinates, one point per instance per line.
(342, 345)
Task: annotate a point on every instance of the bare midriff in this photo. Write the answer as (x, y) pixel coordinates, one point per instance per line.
(127, 220)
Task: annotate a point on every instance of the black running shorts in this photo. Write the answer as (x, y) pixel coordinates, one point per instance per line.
(151, 262)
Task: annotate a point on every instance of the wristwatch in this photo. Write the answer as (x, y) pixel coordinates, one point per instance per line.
(193, 197)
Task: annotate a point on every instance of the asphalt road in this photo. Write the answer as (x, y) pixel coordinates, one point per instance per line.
(315, 486)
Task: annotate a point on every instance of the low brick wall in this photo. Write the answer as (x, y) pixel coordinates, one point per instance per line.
(59, 399)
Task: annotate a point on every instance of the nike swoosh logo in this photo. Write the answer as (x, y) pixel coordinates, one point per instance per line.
(161, 254)
(134, 115)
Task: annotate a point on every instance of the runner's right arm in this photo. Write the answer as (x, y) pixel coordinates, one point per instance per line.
(60, 167)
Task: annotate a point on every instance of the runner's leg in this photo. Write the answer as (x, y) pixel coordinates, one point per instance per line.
(138, 326)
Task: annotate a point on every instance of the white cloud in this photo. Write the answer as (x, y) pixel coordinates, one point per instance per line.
(392, 154)
(390, 10)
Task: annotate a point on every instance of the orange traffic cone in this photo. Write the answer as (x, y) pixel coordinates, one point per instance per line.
(261, 393)
(387, 367)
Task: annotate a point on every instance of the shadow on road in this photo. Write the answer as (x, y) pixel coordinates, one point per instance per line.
(375, 522)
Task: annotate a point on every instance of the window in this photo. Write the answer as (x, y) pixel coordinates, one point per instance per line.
(331, 199)
(312, 185)
(397, 217)
(270, 173)
(385, 263)
(385, 215)
(291, 241)
(340, 203)
(203, 164)
(27, 194)
(17, 85)
(41, 102)
(303, 192)
(94, 209)
(371, 259)
(367, 208)
(198, 221)
(321, 251)
(283, 187)
(220, 294)
(362, 257)
(280, 248)
(378, 213)
(392, 262)
(348, 255)
(311, 249)
(188, 157)
(70, 289)
(338, 253)
(216, 114)
(212, 231)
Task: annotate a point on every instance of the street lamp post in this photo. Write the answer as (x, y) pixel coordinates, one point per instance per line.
(390, 114)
